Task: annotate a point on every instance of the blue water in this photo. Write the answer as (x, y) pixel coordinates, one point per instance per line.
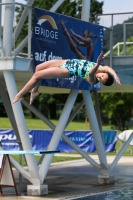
(123, 194)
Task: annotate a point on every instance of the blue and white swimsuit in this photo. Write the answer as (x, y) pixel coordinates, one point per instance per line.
(78, 67)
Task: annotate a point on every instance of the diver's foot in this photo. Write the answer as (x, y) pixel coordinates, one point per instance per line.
(17, 98)
(33, 96)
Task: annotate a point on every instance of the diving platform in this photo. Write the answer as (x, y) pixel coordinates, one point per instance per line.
(15, 72)
(35, 152)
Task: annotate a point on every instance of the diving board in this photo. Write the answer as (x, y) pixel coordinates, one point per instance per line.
(30, 152)
(6, 174)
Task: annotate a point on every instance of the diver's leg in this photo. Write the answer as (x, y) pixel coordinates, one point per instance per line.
(51, 72)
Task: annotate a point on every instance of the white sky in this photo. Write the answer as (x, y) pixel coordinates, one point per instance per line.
(116, 6)
(110, 6)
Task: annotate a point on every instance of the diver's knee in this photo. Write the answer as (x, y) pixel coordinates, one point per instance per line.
(37, 68)
(36, 76)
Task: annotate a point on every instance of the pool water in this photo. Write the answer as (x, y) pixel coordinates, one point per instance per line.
(123, 194)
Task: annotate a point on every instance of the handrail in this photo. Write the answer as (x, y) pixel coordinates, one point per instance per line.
(27, 39)
(117, 45)
(111, 34)
(124, 34)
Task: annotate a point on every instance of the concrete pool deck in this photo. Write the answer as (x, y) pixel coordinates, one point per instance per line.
(76, 178)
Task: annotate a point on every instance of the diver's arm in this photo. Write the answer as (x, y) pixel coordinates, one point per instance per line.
(92, 72)
(109, 70)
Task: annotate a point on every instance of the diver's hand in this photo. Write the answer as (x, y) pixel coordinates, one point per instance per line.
(117, 79)
(100, 58)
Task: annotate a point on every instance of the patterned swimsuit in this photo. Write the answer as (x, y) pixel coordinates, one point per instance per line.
(78, 67)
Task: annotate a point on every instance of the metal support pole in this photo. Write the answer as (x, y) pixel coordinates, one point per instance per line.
(9, 111)
(20, 175)
(58, 132)
(111, 43)
(74, 113)
(0, 21)
(64, 137)
(21, 21)
(40, 159)
(124, 37)
(111, 167)
(8, 27)
(12, 89)
(56, 5)
(29, 32)
(18, 167)
(96, 133)
(19, 116)
(118, 53)
(85, 10)
(85, 16)
(21, 46)
(10, 114)
(98, 114)
(96, 19)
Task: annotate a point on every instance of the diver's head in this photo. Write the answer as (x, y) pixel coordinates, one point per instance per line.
(105, 78)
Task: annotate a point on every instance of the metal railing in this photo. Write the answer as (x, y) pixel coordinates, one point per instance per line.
(117, 46)
(27, 40)
(124, 35)
(110, 52)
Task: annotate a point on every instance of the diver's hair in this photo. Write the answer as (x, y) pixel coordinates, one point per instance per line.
(110, 80)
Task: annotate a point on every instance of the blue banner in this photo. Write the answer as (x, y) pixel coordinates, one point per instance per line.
(40, 140)
(56, 36)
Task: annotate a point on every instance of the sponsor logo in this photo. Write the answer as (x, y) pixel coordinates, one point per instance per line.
(47, 33)
(9, 137)
(42, 57)
(47, 18)
(10, 140)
